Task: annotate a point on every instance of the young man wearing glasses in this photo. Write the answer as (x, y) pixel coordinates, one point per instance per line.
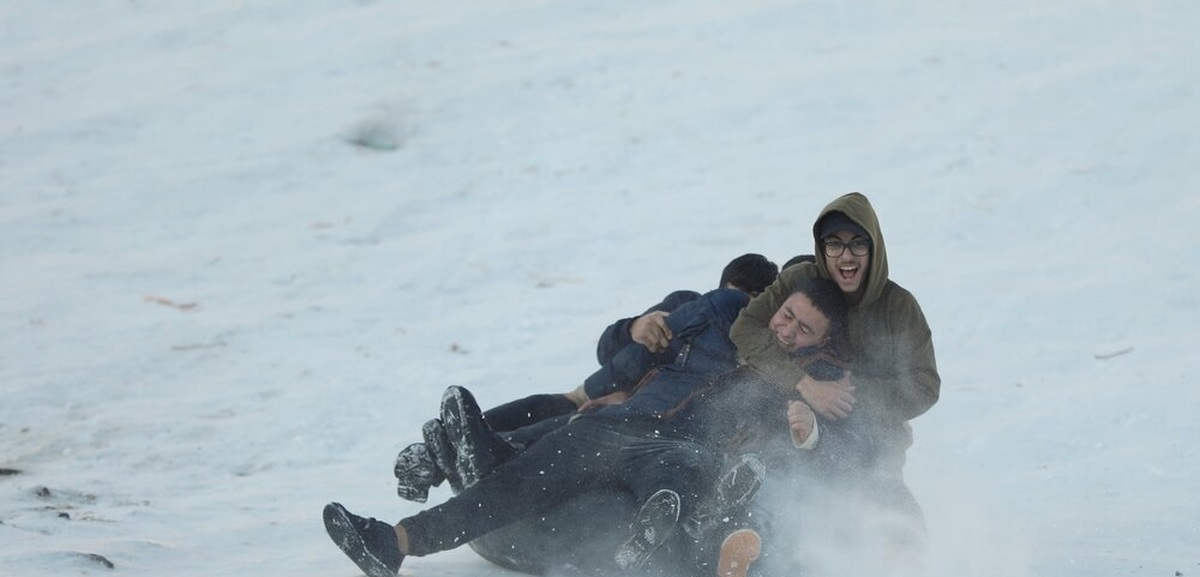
(892, 377)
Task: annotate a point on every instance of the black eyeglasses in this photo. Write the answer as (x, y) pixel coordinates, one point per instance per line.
(859, 246)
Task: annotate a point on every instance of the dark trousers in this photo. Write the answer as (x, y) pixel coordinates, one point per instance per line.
(588, 454)
(526, 411)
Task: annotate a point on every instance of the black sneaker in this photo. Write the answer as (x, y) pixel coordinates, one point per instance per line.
(654, 524)
(416, 472)
(371, 544)
(479, 450)
(442, 452)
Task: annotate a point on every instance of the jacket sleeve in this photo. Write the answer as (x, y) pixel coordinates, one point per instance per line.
(688, 321)
(717, 308)
(616, 336)
(617, 374)
(740, 412)
(901, 369)
(726, 305)
(752, 335)
(845, 447)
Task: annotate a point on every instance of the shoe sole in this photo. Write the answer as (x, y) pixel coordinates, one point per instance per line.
(434, 434)
(654, 524)
(415, 473)
(740, 484)
(339, 528)
(738, 551)
(458, 410)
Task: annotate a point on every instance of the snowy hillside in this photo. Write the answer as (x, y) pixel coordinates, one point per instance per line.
(246, 244)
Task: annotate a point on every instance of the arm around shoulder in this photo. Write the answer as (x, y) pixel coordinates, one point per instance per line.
(752, 335)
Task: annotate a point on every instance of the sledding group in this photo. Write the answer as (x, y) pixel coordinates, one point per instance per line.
(722, 435)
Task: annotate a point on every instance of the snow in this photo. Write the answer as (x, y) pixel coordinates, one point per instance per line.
(219, 313)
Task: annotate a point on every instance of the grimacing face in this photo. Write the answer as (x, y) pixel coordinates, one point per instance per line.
(798, 324)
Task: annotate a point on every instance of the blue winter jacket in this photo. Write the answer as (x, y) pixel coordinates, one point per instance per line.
(616, 336)
(700, 348)
(622, 371)
(624, 363)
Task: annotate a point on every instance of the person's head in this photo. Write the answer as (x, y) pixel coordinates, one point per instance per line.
(813, 315)
(845, 248)
(797, 260)
(749, 273)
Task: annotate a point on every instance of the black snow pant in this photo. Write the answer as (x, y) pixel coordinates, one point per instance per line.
(527, 411)
(589, 454)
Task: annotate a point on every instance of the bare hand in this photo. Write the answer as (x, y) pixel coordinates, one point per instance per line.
(800, 420)
(609, 399)
(651, 331)
(832, 400)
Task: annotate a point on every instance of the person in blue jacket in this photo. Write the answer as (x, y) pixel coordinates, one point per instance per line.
(627, 351)
(631, 446)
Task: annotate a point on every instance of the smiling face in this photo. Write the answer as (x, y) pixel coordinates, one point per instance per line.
(848, 270)
(798, 324)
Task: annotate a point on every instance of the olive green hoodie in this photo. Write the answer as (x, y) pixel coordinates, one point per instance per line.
(890, 344)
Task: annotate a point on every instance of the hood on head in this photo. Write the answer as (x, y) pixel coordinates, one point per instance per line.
(855, 207)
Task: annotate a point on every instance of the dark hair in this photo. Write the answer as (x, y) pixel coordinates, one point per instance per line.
(831, 302)
(798, 259)
(750, 272)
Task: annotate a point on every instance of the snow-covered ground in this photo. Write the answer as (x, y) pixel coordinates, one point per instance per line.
(219, 312)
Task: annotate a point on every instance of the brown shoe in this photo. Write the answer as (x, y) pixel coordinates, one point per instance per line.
(738, 551)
